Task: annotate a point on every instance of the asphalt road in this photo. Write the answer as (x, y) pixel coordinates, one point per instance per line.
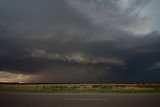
(79, 100)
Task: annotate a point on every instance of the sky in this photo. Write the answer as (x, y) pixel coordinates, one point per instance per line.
(80, 41)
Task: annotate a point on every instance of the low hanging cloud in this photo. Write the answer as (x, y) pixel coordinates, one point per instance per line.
(14, 77)
(76, 58)
(87, 41)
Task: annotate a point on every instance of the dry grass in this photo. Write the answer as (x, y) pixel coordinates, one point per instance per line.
(81, 88)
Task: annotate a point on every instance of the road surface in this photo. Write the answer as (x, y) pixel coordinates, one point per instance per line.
(79, 100)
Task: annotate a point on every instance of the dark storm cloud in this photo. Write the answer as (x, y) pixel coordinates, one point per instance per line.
(59, 41)
(114, 14)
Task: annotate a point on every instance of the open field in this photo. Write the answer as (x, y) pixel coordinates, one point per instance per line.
(80, 88)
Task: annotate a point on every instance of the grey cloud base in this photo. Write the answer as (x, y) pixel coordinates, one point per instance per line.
(64, 44)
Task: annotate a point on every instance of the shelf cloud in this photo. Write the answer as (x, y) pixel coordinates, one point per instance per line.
(84, 41)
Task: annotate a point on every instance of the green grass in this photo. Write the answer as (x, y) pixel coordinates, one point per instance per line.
(80, 88)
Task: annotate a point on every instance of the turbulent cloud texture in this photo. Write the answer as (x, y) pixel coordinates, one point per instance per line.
(86, 41)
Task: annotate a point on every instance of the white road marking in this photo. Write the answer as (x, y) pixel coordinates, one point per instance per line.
(84, 99)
